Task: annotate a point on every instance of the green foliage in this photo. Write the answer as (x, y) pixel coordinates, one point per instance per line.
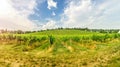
(96, 38)
(43, 38)
(106, 37)
(64, 48)
(65, 39)
(116, 35)
(51, 39)
(76, 39)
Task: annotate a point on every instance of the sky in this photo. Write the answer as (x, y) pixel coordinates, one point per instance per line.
(50, 14)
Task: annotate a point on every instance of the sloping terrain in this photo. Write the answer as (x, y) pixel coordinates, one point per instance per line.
(81, 50)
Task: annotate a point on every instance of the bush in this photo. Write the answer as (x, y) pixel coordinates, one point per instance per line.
(97, 38)
(65, 39)
(43, 38)
(76, 39)
(51, 39)
(116, 36)
(106, 37)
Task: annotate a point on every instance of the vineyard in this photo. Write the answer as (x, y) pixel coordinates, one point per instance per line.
(60, 48)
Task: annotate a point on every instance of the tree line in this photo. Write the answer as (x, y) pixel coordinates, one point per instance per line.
(82, 29)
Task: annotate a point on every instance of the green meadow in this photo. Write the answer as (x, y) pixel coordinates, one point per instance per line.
(60, 48)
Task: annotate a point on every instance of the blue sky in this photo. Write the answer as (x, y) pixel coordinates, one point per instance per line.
(48, 14)
(45, 13)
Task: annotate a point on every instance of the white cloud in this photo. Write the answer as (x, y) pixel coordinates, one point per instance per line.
(49, 25)
(78, 13)
(89, 13)
(14, 14)
(24, 7)
(51, 3)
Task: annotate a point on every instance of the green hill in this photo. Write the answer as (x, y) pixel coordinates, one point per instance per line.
(57, 48)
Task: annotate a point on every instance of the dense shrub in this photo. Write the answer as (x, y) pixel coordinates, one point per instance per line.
(116, 36)
(97, 38)
(76, 39)
(65, 39)
(43, 38)
(51, 39)
(106, 36)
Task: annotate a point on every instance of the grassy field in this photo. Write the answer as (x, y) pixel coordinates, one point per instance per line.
(60, 48)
